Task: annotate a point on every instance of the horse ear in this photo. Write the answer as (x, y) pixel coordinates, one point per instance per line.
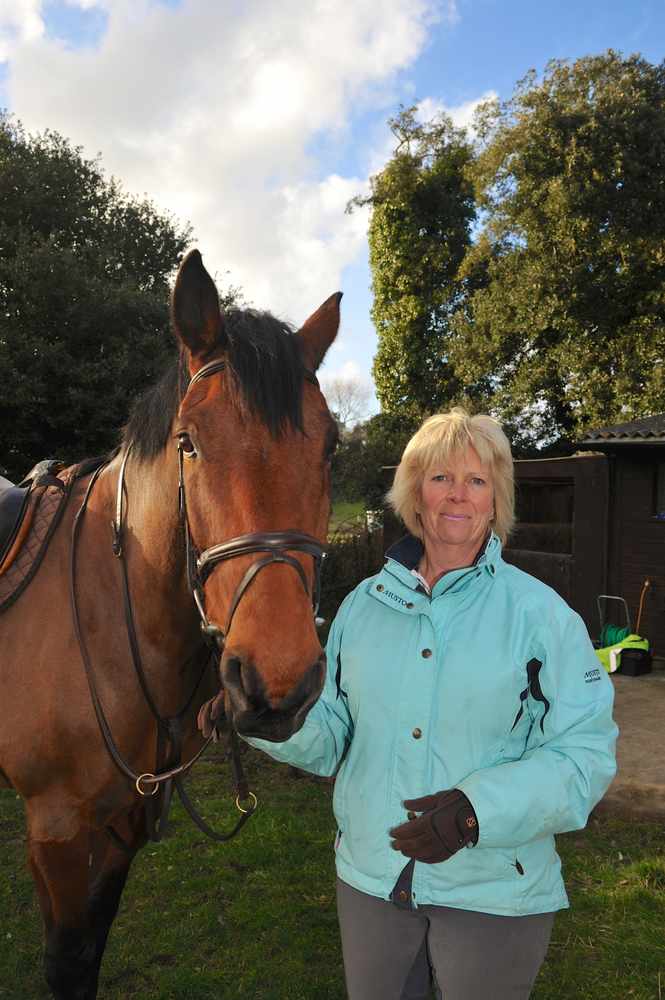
(195, 311)
(318, 332)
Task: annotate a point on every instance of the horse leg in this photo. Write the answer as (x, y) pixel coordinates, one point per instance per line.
(61, 871)
(80, 884)
(111, 868)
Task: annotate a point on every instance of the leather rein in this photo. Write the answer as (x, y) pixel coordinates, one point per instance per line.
(169, 770)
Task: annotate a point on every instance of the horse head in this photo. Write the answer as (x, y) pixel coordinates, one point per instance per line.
(256, 439)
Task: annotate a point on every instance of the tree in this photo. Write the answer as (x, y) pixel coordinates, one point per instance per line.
(564, 326)
(347, 398)
(363, 455)
(84, 274)
(422, 213)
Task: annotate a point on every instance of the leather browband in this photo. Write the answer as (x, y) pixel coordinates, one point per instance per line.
(218, 366)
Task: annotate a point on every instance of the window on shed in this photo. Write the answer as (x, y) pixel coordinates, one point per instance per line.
(659, 491)
(544, 514)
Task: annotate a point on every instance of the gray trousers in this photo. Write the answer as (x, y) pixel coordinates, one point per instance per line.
(388, 952)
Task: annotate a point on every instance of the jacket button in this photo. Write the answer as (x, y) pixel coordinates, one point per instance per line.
(417, 733)
(409, 604)
(410, 815)
(403, 895)
(426, 653)
(379, 587)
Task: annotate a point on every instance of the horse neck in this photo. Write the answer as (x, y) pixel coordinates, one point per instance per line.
(154, 550)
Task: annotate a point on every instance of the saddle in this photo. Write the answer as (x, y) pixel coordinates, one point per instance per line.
(29, 515)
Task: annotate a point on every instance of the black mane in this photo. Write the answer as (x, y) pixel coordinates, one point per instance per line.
(266, 359)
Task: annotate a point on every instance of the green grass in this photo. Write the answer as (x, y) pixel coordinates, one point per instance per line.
(255, 919)
(344, 511)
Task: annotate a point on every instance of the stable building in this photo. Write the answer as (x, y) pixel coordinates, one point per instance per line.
(594, 524)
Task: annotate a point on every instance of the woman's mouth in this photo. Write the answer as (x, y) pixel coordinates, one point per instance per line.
(456, 517)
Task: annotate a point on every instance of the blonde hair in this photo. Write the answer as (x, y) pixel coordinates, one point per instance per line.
(447, 434)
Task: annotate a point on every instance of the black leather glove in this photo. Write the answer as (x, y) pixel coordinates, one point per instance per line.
(446, 824)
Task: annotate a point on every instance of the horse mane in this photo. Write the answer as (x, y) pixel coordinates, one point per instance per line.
(265, 357)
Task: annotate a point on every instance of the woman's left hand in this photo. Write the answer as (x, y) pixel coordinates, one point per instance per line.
(447, 823)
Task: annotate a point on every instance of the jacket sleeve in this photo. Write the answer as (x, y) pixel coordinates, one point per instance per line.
(320, 743)
(569, 760)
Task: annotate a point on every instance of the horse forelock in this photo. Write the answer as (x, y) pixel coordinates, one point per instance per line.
(265, 357)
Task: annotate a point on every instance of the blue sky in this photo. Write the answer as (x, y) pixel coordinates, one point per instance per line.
(257, 122)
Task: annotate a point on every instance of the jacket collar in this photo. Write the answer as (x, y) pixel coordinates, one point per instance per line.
(407, 553)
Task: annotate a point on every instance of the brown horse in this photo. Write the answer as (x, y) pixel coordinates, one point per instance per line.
(239, 428)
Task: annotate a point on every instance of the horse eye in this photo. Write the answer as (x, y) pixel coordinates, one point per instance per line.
(187, 445)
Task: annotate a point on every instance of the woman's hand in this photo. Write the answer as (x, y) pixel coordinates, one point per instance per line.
(446, 824)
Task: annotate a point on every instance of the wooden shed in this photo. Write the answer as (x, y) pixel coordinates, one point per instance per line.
(594, 524)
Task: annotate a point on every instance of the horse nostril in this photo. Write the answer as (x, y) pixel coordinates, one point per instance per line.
(254, 713)
(307, 690)
(230, 670)
(243, 682)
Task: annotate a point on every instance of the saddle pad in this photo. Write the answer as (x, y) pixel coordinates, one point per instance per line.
(45, 507)
(13, 501)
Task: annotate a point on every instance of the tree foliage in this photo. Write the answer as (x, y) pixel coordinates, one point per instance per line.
(566, 326)
(84, 275)
(422, 213)
(365, 453)
(553, 315)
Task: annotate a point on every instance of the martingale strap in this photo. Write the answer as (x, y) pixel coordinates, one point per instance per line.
(147, 784)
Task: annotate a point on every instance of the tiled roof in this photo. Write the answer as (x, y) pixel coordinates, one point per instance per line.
(648, 430)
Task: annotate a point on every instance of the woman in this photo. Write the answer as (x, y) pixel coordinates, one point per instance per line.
(467, 723)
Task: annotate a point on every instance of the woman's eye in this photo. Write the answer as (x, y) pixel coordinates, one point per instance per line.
(477, 481)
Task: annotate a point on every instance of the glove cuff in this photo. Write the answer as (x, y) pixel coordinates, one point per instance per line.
(454, 821)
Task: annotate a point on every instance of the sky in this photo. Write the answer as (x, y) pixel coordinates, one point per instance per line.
(257, 121)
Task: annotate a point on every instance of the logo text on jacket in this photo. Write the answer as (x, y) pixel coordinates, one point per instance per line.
(395, 597)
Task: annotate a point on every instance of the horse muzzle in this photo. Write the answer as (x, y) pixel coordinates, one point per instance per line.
(254, 714)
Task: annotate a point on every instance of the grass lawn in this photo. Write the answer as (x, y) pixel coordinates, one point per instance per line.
(255, 919)
(346, 510)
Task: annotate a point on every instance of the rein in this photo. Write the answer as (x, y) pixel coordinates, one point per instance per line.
(169, 769)
(169, 730)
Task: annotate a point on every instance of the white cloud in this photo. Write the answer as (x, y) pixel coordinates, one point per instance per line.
(461, 114)
(20, 21)
(349, 372)
(212, 109)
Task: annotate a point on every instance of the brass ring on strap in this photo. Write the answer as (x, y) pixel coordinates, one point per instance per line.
(253, 804)
(147, 776)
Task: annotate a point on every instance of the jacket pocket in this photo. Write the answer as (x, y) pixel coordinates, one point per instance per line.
(476, 868)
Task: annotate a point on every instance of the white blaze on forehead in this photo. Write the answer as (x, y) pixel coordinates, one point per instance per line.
(215, 111)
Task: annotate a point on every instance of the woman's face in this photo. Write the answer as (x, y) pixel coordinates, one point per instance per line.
(457, 502)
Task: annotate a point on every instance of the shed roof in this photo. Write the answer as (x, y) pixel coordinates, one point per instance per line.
(648, 430)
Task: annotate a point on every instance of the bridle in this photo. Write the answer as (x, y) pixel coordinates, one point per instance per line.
(276, 546)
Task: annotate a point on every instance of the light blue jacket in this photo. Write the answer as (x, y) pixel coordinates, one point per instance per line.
(491, 685)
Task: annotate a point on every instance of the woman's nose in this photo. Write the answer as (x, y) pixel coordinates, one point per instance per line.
(457, 492)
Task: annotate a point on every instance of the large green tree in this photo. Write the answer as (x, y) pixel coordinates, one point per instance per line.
(566, 325)
(84, 272)
(422, 213)
(365, 455)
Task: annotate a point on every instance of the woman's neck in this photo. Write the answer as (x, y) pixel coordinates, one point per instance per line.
(436, 562)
